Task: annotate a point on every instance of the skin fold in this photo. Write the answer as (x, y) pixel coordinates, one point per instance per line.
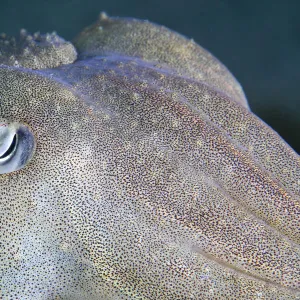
(149, 176)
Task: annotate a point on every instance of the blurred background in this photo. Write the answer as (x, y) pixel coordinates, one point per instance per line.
(259, 41)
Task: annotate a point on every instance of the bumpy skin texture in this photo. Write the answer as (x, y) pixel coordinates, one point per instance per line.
(36, 51)
(151, 178)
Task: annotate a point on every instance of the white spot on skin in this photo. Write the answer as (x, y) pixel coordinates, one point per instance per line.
(199, 143)
(64, 246)
(175, 123)
(75, 125)
(18, 256)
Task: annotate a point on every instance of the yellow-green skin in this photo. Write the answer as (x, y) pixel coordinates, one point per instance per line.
(151, 178)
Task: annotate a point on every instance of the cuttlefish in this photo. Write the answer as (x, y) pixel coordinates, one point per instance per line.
(131, 167)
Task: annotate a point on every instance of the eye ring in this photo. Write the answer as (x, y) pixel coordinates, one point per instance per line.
(17, 146)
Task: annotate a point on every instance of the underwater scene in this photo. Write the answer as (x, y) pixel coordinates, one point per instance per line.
(149, 150)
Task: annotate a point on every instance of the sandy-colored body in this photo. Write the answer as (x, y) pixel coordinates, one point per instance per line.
(151, 178)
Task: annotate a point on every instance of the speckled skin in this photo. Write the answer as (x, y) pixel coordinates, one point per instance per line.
(151, 178)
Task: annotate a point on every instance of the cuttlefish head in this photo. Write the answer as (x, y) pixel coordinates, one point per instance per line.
(48, 149)
(137, 170)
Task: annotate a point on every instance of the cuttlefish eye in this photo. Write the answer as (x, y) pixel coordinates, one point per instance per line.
(17, 146)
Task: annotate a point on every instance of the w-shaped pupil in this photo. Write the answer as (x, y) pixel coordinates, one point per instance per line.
(10, 148)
